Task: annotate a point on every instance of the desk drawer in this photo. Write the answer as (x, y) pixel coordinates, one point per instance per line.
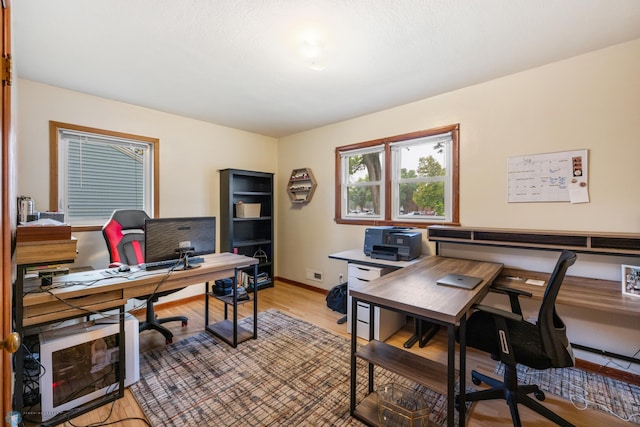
(386, 322)
(363, 312)
(365, 272)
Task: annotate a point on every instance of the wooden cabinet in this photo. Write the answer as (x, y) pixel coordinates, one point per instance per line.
(301, 185)
(249, 234)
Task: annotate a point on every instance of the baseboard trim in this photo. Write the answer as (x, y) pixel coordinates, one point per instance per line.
(609, 372)
(302, 285)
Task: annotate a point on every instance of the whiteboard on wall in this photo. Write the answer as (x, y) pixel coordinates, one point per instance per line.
(550, 177)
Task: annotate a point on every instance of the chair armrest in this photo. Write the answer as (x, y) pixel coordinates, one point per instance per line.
(509, 291)
(499, 312)
(513, 295)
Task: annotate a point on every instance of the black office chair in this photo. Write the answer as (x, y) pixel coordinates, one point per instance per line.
(124, 234)
(512, 340)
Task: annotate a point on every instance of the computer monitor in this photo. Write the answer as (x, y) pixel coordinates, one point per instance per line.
(166, 239)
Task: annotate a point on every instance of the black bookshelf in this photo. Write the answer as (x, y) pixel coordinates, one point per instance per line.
(250, 236)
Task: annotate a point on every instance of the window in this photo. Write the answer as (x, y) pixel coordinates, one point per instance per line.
(95, 172)
(404, 180)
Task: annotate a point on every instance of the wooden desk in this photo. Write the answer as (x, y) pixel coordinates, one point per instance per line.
(110, 292)
(79, 294)
(413, 290)
(581, 292)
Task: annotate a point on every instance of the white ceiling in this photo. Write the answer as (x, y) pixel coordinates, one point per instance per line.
(236, 62)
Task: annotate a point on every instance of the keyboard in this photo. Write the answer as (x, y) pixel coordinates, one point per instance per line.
(170, 263)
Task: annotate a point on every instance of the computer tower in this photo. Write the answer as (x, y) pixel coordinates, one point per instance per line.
(80, 363)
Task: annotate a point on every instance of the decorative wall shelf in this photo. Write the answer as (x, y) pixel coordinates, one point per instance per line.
(301, 186)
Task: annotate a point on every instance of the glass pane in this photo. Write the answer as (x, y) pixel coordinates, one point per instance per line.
(424, 160)
(364, 167)
(363, 200)
(422, 199)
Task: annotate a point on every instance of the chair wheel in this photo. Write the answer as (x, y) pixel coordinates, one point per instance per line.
(184, 323)
(476, 381)
(539, 395)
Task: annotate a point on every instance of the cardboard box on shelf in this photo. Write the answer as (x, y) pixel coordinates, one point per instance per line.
(248, 210)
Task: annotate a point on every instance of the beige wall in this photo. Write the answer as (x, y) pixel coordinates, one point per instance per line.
(191, 153)
(591, 101)
(587, 102)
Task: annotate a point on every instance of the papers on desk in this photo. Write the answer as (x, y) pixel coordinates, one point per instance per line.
(534, 282)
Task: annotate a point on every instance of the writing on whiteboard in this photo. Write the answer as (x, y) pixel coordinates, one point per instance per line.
(550, 177)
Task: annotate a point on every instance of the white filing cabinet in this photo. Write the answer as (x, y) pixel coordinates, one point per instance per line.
(387, 322)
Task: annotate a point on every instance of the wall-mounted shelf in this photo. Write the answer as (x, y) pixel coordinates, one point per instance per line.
(301, 185)
(586, 242)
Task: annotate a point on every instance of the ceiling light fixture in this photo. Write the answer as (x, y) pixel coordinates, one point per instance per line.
(312, 50)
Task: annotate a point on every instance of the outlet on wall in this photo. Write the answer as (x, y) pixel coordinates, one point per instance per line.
(314, 275)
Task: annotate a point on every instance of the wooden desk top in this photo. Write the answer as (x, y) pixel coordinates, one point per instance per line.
(358, 256)
(413, 289)
(583, 292)
(95, 291)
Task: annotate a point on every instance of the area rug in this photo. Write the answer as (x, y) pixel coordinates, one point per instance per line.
(585, 389)
(295, 373)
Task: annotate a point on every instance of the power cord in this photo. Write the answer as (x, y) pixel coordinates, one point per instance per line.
(582, 402)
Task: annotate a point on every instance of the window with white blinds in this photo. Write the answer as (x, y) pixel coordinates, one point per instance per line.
(98, 173)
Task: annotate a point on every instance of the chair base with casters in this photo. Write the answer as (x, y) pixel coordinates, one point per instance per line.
(509, 390)
(152, 322)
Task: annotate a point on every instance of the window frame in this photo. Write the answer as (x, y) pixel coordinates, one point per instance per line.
(54, 164)
(386, 202)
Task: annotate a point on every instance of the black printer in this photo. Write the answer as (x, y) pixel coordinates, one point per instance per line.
(392, 243)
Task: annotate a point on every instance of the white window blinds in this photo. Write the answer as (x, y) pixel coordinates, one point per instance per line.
(102, 174)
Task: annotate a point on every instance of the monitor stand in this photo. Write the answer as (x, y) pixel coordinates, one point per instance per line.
(184, 257)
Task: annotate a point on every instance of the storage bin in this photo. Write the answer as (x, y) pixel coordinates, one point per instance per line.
(247, 210)
(400, 406)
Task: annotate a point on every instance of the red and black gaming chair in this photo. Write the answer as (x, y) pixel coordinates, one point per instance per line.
(124, 234)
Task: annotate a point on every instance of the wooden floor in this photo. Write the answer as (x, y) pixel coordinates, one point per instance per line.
(311, 306)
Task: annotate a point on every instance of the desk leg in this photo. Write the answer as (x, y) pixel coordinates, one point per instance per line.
(413, 338)
(255, 301)
(354, 343)
(462, 338)
(206, 304)
(235, 309)
(451, 375)
(423, 331)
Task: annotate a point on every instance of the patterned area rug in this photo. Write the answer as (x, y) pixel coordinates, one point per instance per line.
(295, 373)
(585, 389)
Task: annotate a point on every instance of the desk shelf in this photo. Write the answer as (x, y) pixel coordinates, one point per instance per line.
(228, 329)
(426, 372)
(586, 242)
